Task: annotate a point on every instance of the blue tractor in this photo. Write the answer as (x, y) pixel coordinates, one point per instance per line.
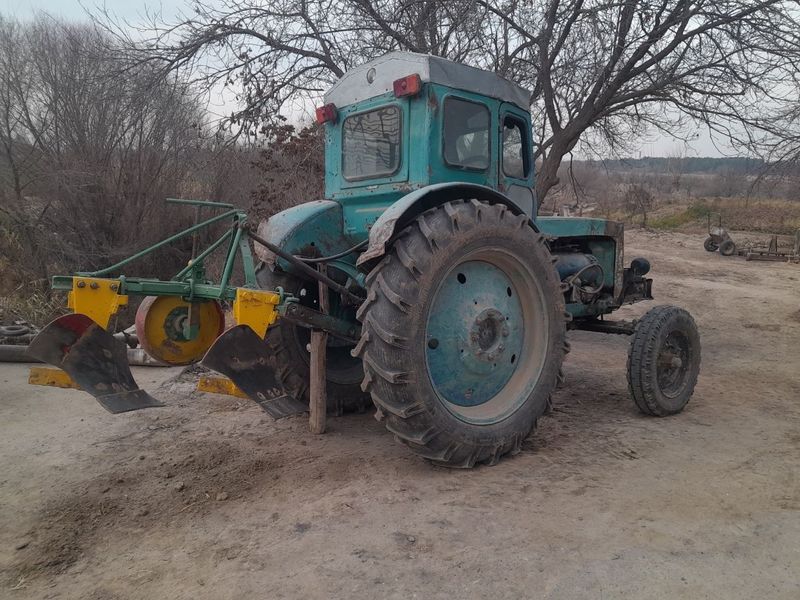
(449, 298)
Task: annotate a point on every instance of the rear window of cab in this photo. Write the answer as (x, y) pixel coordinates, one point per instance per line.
(371, 143)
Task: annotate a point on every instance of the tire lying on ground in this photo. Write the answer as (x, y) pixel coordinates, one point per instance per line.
(463, 333)
(288, 344)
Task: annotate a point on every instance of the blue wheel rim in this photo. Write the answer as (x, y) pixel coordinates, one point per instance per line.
(486, 336)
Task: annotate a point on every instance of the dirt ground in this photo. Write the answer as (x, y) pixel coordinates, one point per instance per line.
(209, 498)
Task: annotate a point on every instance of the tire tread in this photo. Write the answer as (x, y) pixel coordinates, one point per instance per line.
(384, 345)
(642, 357)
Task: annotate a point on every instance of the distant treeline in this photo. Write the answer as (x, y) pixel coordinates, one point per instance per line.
(699, 164)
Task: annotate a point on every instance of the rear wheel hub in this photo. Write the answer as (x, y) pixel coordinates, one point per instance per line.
(487, 334)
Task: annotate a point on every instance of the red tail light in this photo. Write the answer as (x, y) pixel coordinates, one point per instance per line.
(408, 86)
(327, 114)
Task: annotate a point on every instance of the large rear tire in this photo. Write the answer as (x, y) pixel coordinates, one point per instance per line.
(463, 333)
(288, 345)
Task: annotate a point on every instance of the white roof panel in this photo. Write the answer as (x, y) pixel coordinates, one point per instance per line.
(377, 76)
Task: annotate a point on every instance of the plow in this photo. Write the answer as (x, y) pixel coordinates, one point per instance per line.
(424, 284)
(179, 322)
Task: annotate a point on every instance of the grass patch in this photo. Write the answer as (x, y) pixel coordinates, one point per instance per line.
(694, 212)
(763, 216)
(30, 305)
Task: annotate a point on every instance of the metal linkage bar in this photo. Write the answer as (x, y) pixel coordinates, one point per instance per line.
(199, 203)
(185, 271)
(602, 326)
(308, 270)
(154, 287)
(190, 281)
(238, 216)
(313, 319)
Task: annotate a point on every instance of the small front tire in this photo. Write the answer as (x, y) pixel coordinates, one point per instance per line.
(710, 245)
(664, 361)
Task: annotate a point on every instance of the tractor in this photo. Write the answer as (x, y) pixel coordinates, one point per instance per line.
(444, 297)
(718, 237)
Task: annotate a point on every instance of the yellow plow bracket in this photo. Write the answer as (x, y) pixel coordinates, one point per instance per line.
(243, 357)
(256, 309)
(96, 298)
(220, 385)
(51, 377)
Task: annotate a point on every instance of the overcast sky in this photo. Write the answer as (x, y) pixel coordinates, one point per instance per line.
(134, 10)
(71, 9)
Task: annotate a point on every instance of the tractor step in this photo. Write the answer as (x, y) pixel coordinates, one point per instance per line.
(93, 359)
(241, 355)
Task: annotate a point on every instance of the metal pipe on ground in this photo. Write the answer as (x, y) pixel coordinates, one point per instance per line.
(19, 353)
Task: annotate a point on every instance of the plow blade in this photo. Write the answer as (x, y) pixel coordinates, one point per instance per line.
(241, 355)
(94, 359)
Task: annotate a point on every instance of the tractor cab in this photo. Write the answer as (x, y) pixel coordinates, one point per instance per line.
(406, 121)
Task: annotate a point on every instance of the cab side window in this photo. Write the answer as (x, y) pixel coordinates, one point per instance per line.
(516, 159)
(466, 134)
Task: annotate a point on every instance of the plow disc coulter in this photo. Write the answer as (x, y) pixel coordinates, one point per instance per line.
(424, 283)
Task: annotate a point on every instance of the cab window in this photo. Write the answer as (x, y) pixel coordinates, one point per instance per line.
(516, 162)
(371, 144)
(466, 134)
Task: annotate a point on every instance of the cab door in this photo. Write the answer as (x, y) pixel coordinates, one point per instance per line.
(515, 166)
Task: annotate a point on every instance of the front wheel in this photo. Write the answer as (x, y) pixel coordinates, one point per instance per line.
(710, 245)
(463, 333)
(663, 361)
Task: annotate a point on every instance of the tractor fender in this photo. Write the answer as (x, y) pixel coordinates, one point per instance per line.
(407, 208)
(309, 229)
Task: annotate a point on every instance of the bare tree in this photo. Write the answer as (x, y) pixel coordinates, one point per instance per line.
(292, 169)
(675, 160)
(600, 72)
(638, 201)
(86, 158)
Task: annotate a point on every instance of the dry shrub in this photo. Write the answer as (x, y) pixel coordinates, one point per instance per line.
(292, 167)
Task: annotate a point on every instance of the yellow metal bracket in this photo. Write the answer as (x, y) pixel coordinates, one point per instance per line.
(219, 385)
(96, 298)
(51, 377)
(255, 308)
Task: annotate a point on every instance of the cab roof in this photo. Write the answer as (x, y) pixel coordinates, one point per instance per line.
(376, 77)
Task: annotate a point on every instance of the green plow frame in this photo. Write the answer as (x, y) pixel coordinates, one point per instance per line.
(82, 345)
